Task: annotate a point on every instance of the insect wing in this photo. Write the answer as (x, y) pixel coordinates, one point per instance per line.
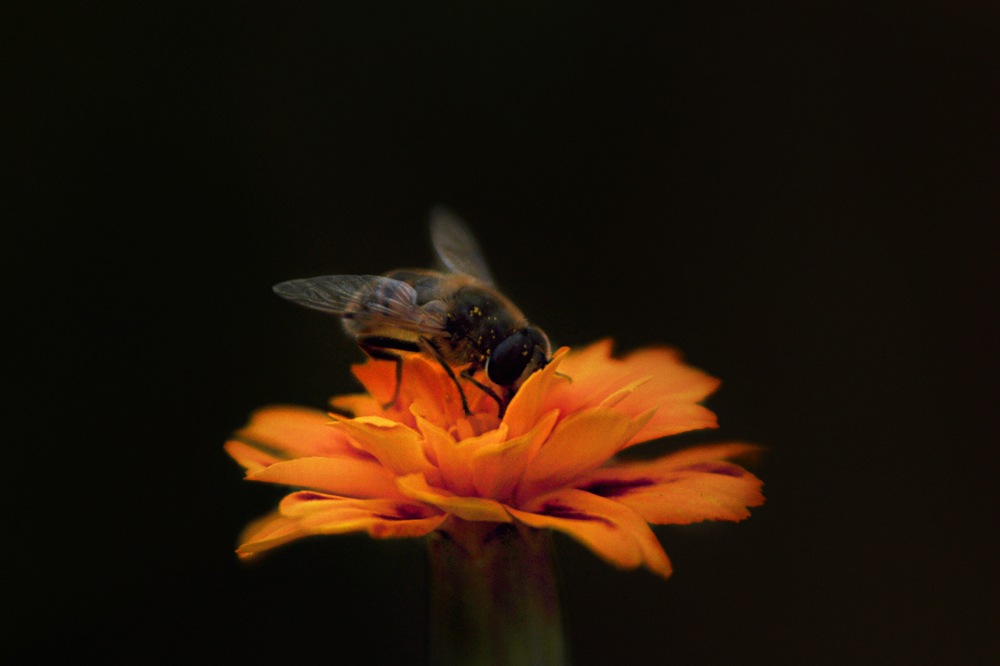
(335, 294)
(365, 300)
(456, 246)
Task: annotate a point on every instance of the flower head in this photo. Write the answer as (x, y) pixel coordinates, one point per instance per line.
(422, 463)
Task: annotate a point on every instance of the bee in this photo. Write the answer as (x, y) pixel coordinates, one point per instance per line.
(455, 316)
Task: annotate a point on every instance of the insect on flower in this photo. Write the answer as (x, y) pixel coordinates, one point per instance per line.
(457, 317)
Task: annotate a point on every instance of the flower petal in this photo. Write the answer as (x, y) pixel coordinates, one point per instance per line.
(342, 475)
(317, 513)
(250, 457)
(424, 386)
(613, 531)
(356, 404)
(596, 374)
(671, 419)
(673, 387)
(268, 532)
(622, 393)
(579, 444)
(415, 487)
(670, 373)
(687, 487)
(527, 405)
(378, 378)
(498, 468)
(430, 391)
(396, 446)
(711, 453)
(442, 450)
(292, 432)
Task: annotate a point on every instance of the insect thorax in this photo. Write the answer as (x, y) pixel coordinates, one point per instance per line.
(478, 320)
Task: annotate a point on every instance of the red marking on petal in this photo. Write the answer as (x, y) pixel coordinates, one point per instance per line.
(404, 512)
(715, 468)
(557, 510)
(612, 488)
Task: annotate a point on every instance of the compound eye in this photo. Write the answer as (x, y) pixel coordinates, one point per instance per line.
(512, 356)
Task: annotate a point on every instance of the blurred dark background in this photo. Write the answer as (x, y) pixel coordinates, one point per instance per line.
(801, 198)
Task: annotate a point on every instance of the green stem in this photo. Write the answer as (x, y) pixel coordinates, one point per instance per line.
(493, 596)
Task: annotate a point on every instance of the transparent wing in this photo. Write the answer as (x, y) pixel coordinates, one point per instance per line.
(456, 246)
(365, 300)
(335, 294)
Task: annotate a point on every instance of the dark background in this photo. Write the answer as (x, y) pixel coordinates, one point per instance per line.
(803, 200)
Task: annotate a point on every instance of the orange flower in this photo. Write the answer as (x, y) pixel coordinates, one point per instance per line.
(422, 463)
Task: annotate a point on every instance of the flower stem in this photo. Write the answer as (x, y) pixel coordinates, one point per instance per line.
(493, 596)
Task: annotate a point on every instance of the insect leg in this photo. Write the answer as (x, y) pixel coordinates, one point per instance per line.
(428, 347)
(378, 346)
(487, 390)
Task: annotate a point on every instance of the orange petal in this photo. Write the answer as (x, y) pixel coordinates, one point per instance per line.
(396, 446)
(673, 418)
(317, 513)
(687, 487)
(594, 375)
(293, 432)
(670, 374)
(268, 532)
(622, 393)
(670, 417)
(429, 390)
(356, 404)
(478, 422)
(709, 453)
(344, 475)
(579, 444)
(614, 532)
(673, 387)
(442, 449)
(526, 406)
(497, 469)
(583, 364)
(415, 487)
(424, 385)
(378, 378)
(251, 458)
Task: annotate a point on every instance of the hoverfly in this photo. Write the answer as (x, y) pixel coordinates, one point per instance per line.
(456, 317)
